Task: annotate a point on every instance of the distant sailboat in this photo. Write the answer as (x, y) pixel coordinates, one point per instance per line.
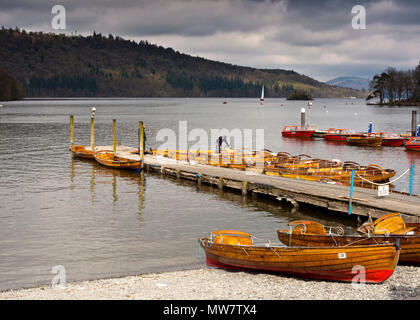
(262, 96)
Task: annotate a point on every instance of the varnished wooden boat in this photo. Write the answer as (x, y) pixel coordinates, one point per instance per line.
(81, 152)
(391, 223)
(313, 234)
(109, 159)
(235, 250)
(364, 141)
(334, 170)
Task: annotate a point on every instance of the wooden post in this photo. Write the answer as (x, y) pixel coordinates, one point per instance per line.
(141, 141)
(351, 192)
(413, 123)
(92, 133)
(302, 118)
(411, 178)
(220, 183)
(114, 134)
(72, 130)
(244, 188)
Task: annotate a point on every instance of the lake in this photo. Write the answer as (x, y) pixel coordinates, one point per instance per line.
(97, 222)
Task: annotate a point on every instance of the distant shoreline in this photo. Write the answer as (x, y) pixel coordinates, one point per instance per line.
(399, 104)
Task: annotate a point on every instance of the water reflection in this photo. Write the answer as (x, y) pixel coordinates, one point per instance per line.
(281, 210)
(117, 179)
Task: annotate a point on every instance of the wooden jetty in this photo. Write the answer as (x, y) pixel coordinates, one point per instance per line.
(336, 198)
(365, 202)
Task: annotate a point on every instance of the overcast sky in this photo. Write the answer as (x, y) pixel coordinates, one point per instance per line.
(315, 38)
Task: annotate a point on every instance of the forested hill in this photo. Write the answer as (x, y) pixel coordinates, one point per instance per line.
(52, 65)
(9, 87)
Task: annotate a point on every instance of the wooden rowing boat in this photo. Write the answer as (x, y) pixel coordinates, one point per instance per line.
(391, 223)
(364, 141)
(335, 170)
(109, 159)
(313, 234)
(236, 250)
(81, 152)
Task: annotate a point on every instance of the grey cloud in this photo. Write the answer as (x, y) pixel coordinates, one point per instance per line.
(303, 35)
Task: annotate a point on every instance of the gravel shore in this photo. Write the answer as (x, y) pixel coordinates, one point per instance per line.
(214, 284)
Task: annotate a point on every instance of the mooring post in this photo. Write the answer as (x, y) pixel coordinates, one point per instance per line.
(413, 123)
(72, 130)
(411, 178)
(220, 183)
(309, 112)
(92, 133)
(302, 118)
(114, 135)
(244, 188)
(141, 142)
(351, 192)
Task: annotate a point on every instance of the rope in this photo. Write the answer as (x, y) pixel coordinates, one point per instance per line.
(384, 184)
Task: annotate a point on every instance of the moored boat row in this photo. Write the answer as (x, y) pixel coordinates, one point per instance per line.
(105, 157)
(284, 164)
(351, 137)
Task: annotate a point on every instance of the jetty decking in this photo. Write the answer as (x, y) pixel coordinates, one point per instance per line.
(365, 202)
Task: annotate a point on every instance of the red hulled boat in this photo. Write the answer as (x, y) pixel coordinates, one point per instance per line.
(389, 139)
(340, 134)
(413, 144)
(297, 132)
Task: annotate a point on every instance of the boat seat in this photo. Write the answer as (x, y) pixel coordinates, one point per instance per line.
(391, 224)
(307, 227)
(231, 237)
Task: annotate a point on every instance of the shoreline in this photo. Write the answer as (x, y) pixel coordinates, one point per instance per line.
(217, 284)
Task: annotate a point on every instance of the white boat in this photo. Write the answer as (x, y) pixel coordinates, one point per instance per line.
(262, 96)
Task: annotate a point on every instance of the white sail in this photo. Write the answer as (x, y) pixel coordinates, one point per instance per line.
(262, 94)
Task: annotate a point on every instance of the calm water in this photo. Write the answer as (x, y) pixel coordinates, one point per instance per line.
(98, 222)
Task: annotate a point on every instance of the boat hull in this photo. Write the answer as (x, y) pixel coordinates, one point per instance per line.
(298, 134)
(108, 159)
(378, 261)
(410, 244)
(364, 141)
(413, 147)
(393, 142)
(339, 137)
(81, 152)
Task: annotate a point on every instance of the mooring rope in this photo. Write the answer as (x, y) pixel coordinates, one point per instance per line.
(384, 184)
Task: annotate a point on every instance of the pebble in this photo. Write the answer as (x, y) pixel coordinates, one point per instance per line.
(214, 284)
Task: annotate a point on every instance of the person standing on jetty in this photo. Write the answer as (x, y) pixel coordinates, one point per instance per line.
(219, 142)
(144, 140)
